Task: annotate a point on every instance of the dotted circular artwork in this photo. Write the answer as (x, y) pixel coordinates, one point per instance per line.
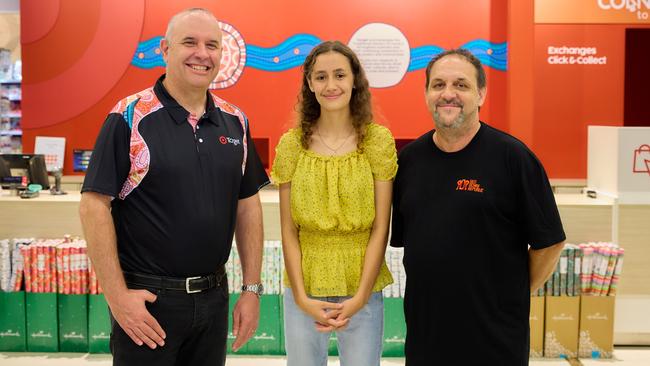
(233, 58)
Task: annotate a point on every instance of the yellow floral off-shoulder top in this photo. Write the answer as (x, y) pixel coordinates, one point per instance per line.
(333, 206)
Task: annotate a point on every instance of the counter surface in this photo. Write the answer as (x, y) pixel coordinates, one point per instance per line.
(584, 219)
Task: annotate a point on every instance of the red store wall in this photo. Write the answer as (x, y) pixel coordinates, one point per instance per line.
(77, 54)
(77, 63)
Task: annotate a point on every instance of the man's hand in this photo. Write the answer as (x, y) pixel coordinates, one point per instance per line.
(127, 306)
(245, 318)
(131, 314)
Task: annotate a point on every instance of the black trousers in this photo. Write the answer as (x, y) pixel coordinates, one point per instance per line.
(196, 326)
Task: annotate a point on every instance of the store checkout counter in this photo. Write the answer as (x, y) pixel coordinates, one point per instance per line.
(608, 213)
(585, 219)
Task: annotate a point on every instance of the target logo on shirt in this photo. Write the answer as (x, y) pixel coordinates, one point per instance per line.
(229, 140)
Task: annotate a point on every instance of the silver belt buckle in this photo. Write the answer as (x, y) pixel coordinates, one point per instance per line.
(187, 285)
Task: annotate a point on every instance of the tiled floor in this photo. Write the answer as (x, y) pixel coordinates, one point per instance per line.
(638, 356)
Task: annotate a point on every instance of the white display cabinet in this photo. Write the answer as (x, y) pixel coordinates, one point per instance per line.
(618, 163)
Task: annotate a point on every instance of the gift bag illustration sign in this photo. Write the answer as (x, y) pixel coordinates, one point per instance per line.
(642, 159)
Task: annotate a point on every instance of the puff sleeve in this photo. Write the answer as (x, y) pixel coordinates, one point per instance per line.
(379, 145)
(286, 157)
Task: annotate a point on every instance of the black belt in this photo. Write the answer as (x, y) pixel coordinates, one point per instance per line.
(189, 285)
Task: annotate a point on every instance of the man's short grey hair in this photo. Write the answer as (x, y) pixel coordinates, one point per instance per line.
(177, 16)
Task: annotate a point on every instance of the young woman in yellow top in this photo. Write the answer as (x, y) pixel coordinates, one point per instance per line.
(335, 174)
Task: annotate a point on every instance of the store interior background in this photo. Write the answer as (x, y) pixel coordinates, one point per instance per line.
(76, 61)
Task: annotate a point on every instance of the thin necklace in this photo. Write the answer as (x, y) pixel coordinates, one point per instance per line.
(334, 150)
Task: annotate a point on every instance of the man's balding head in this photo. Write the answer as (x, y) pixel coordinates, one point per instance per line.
(192, 49)
(184, 13)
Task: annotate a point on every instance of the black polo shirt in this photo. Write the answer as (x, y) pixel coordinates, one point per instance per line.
(175, 189)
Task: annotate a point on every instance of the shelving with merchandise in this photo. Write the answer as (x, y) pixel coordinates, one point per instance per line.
(10, 104)
(10, 116)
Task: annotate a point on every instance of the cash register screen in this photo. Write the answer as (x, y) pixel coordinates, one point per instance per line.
(15, 166)
(19, 172)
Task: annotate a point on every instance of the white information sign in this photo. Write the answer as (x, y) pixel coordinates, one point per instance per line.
(384, 53)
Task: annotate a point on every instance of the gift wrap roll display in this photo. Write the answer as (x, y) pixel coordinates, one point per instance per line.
(62, 308)
(579, 302)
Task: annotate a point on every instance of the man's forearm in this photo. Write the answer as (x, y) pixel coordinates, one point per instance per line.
(250, 238)
(541, 263)
(99, 232)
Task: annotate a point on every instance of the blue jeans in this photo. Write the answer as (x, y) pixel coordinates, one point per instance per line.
(359, 344)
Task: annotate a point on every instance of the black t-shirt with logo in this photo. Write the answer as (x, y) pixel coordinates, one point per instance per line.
(175, 189)
(465, 220)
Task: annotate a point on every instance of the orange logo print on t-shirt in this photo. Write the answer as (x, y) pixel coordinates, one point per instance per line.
(468, 185)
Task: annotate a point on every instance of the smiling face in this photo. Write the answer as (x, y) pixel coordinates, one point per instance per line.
(192, 50)
(331, 80)
(452, 96)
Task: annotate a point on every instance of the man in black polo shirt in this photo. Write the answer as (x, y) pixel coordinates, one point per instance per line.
(174, 174)
(468, 200)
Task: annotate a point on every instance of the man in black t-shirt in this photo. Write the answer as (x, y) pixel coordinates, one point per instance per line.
(174, 174)
(468, 202)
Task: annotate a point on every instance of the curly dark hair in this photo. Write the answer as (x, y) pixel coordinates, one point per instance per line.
(360, 104)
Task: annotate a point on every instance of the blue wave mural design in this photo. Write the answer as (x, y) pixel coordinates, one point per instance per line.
(494, 55)
(290, 53)
(420, 56)
(293, 51)
(145, 56)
